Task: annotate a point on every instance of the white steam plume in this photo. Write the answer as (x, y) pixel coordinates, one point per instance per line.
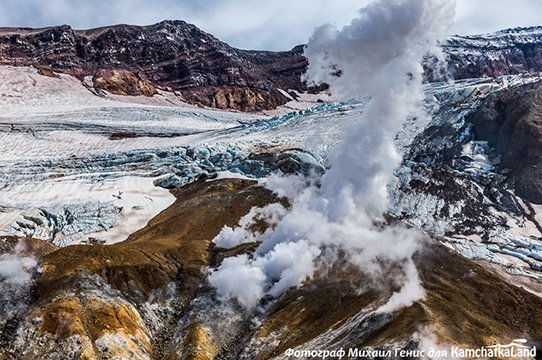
(16, 274)
(16, 269)
(377, 55)
(232, 237)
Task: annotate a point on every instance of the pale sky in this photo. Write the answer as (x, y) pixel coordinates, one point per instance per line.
(250, 24)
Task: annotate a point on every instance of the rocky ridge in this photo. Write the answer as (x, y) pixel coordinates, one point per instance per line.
(507, 52)
(170, 56)
(178, 57)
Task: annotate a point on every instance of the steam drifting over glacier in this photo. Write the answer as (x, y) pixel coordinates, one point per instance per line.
(377, 55)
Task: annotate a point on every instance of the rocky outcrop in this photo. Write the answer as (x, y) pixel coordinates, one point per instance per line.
(326, 313)
(123, 82)
(232, 98)
(171, 55)
(510, 121)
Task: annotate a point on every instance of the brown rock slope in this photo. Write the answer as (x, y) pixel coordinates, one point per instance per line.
(91, 292)
(94, 301)
(465, 305)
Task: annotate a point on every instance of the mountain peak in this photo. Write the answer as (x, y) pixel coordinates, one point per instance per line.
(173, 23)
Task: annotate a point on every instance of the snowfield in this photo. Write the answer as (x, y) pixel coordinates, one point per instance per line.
(54, 117)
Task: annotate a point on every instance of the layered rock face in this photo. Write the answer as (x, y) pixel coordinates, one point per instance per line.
(506, 52)
(171, 55)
